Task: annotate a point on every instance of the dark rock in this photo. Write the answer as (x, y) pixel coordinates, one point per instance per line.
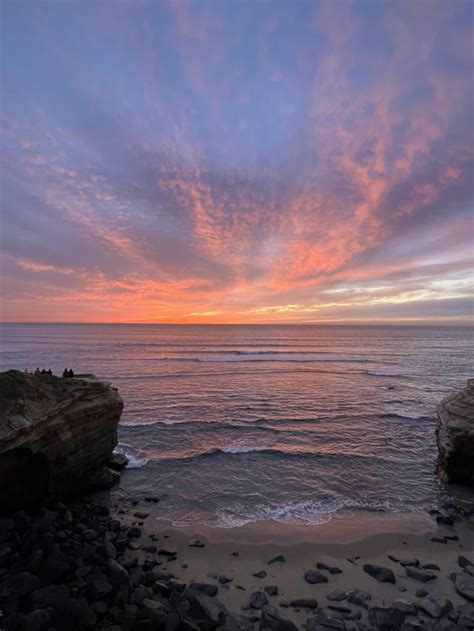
(208, 608)
(258, 600)
(381, 574)
(223, 580)
(73, 614)
(430, 566)
(420, 575)
(271, 590)
(25, 583)
(305, 603)
(438, 539)
(337, 595)
(445, 520)
(464, 562)
(359, 597)
(48, 596)
(329, 568)
(405, 606)
(386, 618)
(421, 592)
(274, 620)
(117, 574)
(313, 577)
(278, 559)
(134, 532)
(141, 514)
(196, 543)
(464, 585)
(37, 620)
(98, 589)
(465, 616)
(117, 462)
(234, 622)
(325, 622)
(435, 605)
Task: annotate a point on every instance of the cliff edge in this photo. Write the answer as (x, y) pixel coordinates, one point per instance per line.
(56, 436)
(455, 436)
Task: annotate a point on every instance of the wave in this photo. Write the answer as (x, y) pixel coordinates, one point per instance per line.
(311, 512)
(135, 458)
(265, 357)
(407, 415)
(383, 373)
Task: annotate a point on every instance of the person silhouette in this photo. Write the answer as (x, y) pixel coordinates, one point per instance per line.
(65, 373)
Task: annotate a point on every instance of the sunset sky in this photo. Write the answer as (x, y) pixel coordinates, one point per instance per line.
(234, 161)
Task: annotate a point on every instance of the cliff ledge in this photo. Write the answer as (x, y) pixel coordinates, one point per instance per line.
(56, 436)
(455, 436)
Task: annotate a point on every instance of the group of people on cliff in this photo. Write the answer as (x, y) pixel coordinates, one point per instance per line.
(67, 373)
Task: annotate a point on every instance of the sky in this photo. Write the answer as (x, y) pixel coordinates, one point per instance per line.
(237, 161)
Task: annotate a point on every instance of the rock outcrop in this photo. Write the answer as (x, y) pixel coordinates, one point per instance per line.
(455, 436)
(56, 436)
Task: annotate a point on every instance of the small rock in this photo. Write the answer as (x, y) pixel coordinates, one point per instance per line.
(260, 574)
(464, 561)
(329, 568)
(258, 600)
(420, 575)
(196, 543)
(381, 574)
(313, 577)
(278, 559)
(305, 603)
(438, 540)
(359, 597)
(337, 595)
(271, 590)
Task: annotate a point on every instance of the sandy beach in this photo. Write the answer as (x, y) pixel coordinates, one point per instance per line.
(273, 558)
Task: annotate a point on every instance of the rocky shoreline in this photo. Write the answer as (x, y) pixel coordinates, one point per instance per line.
(86, 566)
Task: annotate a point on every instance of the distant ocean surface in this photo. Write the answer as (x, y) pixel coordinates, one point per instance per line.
(238, 424)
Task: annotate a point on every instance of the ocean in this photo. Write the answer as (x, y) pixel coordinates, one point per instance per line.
(235, 424)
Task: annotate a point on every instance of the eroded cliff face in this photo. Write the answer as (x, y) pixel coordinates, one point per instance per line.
(55, 436)
(455, 436)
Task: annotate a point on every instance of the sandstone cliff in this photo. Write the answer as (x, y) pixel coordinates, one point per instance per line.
(455, 436)
(55, 436)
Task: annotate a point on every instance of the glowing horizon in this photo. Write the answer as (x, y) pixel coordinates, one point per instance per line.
(202, 162)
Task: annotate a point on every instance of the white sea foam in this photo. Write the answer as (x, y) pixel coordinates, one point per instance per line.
(136, 459)
(311, 512)
(244, 446)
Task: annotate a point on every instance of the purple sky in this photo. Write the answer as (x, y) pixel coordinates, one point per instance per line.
(235, 161)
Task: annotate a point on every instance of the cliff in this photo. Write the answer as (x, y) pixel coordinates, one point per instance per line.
(455, 436)
(56, 436)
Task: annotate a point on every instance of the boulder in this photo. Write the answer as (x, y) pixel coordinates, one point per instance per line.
(455, 436)
(55, 436)
(274, 620)
(464, 584)
(435, 605)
